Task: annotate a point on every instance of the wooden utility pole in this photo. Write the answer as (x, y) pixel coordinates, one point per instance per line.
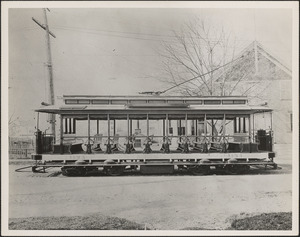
(50, 70)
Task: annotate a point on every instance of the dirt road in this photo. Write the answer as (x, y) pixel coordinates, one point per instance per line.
(162, 202)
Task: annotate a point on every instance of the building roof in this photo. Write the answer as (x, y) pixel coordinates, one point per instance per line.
(244, 68)
(266, 53)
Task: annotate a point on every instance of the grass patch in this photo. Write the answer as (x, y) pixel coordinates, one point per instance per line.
(91, 222)
(266, 221)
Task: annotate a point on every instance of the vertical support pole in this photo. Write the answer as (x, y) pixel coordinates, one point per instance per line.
(212, 130)
(224, 125)
(224, 134)
(253, 128)
(180, 127)
(244, 124)
(205, 125)
(108, 145)
(166, 144)
(108, 128)
(196, 129)
(239, 130)
(179, 130)
(147, 144)
(167, 125)
(129, 145)
(97, 126)
(74, 125)
(128, 126)
(186, 125)
(66, 126)
(164, 129)
(234, 125)
(147, 125)
(70, 125)
(61, 147)
(271, 132)
(37, 138)
(205, 134)
(89, 128)
(114, 127)
(249, 123)
(88, 149)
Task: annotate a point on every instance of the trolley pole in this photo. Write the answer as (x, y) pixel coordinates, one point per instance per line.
(50, 70)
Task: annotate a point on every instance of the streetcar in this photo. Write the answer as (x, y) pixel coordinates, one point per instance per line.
(155, 135)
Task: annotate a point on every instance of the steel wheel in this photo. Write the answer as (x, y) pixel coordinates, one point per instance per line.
(33, 169)
(114, 170)
(236, 169)
(74, 171)
(36, 169)
(200, 169)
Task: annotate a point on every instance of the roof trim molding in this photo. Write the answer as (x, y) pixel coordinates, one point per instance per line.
(274, 60)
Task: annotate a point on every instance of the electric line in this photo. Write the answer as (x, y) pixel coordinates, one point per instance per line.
(98, 32)
(135, 33)
(164, 91)
(120, 36)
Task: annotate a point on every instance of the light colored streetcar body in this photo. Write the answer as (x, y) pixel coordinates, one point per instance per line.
(156, 157)
(153, 132)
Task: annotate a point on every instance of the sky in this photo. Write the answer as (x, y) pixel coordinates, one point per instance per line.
(115, 51)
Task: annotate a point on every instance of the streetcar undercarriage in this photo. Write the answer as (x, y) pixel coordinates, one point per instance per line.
(233, 163)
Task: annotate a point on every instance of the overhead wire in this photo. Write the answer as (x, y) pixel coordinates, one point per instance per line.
(161, 39)
(111, 35)
(164, 91)
(143, 34)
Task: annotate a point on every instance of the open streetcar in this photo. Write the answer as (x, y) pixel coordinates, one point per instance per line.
(156, 134)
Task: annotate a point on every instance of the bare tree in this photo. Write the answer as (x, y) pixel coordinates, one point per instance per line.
(200, 51)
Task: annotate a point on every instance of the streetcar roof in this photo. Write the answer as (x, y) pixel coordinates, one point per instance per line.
(199, 109)
(105, 104)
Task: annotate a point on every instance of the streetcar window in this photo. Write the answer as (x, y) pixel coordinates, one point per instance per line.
(239, 101)
(119, 102)
(227, 102)
(83, 101)
(176, 101)
(212, 102)
(138, 101)
(71, 102)
(194, 102)
(156, 101)
(102, 102)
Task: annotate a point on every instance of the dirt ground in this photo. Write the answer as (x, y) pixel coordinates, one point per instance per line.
(164, 202)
